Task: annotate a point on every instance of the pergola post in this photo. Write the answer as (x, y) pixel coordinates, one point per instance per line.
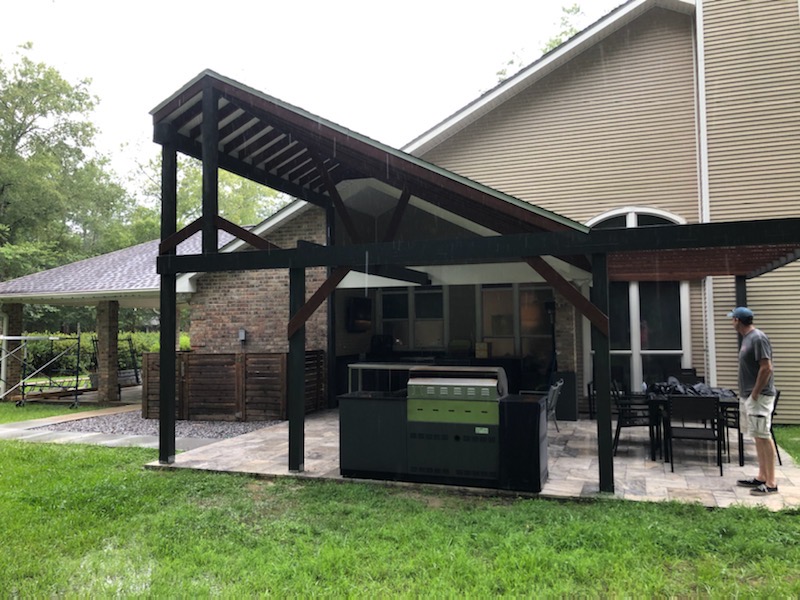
(296, 376)
(210, 141)
(169, 321)
(741, 299)
(741, 290)
(602, 374)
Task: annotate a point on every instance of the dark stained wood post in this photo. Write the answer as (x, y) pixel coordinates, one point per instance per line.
(602, 375)
(741, 291)
(210, 143)
(168, 329)
(741, 299)
(296, 376)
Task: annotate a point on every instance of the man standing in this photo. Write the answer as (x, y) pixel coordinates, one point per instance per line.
(756, 398)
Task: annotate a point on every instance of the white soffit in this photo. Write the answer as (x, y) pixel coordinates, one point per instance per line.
(470, 275)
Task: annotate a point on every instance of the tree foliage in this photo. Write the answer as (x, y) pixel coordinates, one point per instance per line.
(570, 15)
(57, 196)
(568, 27)
(241, 201)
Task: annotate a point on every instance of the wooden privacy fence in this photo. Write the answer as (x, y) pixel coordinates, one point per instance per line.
(231, 387)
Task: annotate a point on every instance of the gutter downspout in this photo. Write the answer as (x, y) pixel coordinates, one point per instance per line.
(705, 202)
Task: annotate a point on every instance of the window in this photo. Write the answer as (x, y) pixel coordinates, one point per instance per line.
(414, 317)
(395, 317)
(537, 331)
(498, 319)
(647, 329)
(428, 318)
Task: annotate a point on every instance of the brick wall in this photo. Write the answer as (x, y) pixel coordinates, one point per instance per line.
(107, 350)
(566, 333)
(258, 301)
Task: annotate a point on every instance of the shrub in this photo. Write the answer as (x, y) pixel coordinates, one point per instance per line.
(63, 351)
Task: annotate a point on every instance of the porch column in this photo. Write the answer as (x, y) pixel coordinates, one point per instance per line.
(602, 375)
(296, 376)
(107, 351)
(12, 365)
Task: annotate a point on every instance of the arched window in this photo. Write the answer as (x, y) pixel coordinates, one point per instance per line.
(648, 320)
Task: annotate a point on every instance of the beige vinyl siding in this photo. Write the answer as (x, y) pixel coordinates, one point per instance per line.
(698, 336)
(752, 62)
(774, 299)
(615, 126)
(726, 339)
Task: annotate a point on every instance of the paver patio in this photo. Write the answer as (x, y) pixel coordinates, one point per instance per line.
(572, 464)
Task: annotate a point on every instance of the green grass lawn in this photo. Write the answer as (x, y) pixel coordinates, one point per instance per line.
(89, 521)
(11, 413)
(788, 438)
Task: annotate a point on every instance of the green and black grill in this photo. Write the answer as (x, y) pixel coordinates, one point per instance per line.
(453, 422)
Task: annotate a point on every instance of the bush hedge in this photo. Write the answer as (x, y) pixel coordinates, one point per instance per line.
(40, 352)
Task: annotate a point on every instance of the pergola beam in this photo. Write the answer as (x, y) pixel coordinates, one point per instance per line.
(506, 248)
(570, 292)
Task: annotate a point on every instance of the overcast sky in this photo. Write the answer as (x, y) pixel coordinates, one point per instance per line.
(386, 69)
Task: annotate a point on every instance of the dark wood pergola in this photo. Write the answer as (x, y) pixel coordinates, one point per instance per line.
(230, 126)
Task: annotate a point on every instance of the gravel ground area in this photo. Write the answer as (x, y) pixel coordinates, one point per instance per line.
(132, 423)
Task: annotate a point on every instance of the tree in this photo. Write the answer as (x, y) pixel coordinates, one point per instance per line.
(569, 17)
(241, 201)
(56, 196)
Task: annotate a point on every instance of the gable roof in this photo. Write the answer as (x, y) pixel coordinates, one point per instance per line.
(128, 275)
(508, 88)
(289, 149)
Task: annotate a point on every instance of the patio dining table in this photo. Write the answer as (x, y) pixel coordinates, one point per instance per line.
(729, 407)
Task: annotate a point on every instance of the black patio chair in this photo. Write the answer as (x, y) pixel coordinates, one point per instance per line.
(731, 420)
(632, 411)
(695, 418)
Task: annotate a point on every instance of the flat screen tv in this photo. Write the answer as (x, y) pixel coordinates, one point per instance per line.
(359, 314)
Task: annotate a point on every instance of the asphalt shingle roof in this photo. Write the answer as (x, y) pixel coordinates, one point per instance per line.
(123, 271)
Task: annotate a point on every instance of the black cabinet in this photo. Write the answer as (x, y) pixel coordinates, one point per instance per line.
(523, 443)
(372, 435)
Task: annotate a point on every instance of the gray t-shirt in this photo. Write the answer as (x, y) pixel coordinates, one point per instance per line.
(755, 346)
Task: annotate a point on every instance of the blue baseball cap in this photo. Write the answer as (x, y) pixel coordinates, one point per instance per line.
(740, 312)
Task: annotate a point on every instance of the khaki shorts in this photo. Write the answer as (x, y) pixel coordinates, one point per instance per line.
(756, 416)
